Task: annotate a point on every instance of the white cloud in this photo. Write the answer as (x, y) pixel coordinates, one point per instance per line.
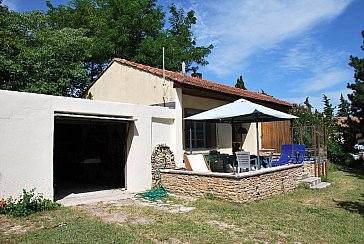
(12, 4)
(317, 100)
(326, 68)
(238, 29)
(323, 81)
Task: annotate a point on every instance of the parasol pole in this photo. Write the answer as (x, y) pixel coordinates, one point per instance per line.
(256, 126)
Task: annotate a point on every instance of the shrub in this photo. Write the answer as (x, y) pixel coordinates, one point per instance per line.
(27, 204)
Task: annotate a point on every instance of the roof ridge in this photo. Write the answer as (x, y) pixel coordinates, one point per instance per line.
(206, 84)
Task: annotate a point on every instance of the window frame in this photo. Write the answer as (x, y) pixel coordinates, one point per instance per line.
(205, 127)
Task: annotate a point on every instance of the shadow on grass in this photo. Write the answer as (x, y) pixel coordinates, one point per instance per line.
(357, 171)
(352, 206)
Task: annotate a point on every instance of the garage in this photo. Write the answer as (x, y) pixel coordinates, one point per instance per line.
(89, 153)
(59, 145)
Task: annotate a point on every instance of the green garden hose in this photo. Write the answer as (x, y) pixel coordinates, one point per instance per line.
(159, 192)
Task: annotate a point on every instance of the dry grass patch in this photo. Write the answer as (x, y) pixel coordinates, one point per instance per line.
(333, 215)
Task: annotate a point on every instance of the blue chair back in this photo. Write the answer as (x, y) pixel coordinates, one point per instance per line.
(285, 157)
(299, 151)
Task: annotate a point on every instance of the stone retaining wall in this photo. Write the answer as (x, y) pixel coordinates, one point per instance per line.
(314, 170)
(162, 157)
(243, 187)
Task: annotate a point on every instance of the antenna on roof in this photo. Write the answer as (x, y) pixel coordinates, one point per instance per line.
(183, 67)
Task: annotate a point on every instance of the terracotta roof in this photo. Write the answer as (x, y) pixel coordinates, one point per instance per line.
(205, 84)
(343, 121)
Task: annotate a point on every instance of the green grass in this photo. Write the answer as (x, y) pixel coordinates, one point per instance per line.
(333, 215)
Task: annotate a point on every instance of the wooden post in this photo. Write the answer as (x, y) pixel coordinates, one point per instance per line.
(315, 168)
(314, 146)
(319, 169)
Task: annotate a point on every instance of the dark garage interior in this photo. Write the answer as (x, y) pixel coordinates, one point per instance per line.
(89, 155)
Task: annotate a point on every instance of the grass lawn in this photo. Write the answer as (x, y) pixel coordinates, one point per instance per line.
(333, 215)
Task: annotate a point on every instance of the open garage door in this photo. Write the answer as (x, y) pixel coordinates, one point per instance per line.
(89, 153)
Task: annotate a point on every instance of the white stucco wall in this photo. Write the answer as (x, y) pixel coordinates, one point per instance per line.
(250, 142)
(178, 128)
(224, 133)
(26, 145)
(121, 83)
(162, 129)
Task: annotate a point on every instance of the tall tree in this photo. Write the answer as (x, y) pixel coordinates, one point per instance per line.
(179, 42)
(357, 96)
(240, 83)
(336, 151)
(37, 58)
(134, 30)
(343, 107)
(308, 104)
(328, 111)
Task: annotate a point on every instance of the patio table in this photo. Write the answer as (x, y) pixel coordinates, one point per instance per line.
(267, 155)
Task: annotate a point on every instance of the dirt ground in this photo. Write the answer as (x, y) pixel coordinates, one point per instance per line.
(109, 212)
(115, 211)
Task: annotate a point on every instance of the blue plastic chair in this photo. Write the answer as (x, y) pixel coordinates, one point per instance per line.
(299, 151)
(285, 157)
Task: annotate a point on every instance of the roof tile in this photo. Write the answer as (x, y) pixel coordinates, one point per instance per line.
(205, 84)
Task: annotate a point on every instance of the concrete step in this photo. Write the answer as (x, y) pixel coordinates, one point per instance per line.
(95, 197)
(321, 185)
(312, 181)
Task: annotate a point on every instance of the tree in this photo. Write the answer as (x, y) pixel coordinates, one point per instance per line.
(328, 112)
(308, 104)
(240, 83)
(36, 58)
(54, 53)
(336, 150)
(343, 107)
(357, 96)
(85, 14)
(134, 30)
(179, 42)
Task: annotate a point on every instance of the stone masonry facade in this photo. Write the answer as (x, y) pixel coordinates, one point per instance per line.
(315, 169)
(241, 188)
(162, 158)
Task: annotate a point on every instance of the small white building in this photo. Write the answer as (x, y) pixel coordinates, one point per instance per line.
(55, 144)
(129, 82)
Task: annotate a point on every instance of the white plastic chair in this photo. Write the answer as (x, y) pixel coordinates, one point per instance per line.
(244, 161)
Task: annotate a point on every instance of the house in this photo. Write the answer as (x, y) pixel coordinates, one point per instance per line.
(356, 136)
(129, 82)
(60, 145)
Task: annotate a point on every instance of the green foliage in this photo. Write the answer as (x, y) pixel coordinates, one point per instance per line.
(334, 167)
(308, 104)
(240, 83)
(60, 52)
(357, 96)
(337, 152)
(36, 58)
(305, 116)
(27, 204)
(343, 107)
(179, 43)
(134, 30)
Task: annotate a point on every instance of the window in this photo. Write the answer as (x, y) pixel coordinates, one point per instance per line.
(203, 133)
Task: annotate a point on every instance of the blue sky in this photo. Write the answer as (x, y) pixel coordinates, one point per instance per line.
(289, 49)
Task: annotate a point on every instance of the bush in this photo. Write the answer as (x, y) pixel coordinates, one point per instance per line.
(27, 204)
